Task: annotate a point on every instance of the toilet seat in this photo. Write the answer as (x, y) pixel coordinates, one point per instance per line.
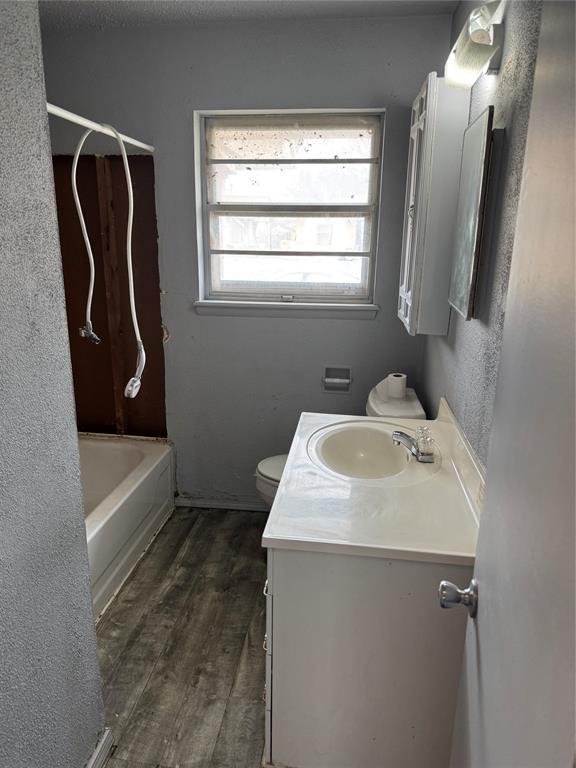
(272, 467)
(268, 474)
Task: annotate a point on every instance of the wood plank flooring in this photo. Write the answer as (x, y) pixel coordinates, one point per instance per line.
(181, 647)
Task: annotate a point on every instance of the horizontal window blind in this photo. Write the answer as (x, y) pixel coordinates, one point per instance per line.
(290, 206)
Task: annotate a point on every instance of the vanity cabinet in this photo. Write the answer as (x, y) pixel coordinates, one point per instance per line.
(439, 118)
(362, 666)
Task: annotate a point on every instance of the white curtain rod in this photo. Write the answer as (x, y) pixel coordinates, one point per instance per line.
(71, 117)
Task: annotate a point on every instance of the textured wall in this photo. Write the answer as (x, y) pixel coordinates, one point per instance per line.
(464, 365)
(236, 386)
(50, 701)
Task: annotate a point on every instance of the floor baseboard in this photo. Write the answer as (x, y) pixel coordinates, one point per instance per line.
(240, 506)
(102, 751)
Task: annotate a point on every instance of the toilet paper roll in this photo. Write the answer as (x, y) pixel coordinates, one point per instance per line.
(397, 386)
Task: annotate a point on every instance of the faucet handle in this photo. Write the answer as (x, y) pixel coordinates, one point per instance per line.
(426, 445)
(424, 440)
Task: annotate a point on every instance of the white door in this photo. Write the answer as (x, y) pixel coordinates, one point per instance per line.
(516, 704)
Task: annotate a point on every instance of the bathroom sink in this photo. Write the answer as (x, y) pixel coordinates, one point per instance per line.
(358, 449)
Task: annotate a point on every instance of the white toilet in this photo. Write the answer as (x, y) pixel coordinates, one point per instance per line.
(379, 404)
(268, 474)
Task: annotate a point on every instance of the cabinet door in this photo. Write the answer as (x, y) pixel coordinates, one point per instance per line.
(413, 214)
(357, 683)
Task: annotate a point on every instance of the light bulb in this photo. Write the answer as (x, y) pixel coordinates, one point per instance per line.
(480, 29)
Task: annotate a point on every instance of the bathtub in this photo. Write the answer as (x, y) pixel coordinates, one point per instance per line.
(128, 488)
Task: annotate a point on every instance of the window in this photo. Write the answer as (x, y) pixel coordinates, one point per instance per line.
(289, 205)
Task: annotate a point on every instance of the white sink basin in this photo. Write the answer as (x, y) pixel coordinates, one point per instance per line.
(359, 449)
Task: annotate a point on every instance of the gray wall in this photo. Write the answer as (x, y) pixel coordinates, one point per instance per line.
(463, 366)
(236, 386)
(50, 700)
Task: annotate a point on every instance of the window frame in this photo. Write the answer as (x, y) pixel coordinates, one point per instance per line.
(252, 301)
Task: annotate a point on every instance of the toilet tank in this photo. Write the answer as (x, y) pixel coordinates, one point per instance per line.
(381, 404)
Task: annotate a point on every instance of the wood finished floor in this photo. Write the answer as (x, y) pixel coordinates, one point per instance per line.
(181, 647)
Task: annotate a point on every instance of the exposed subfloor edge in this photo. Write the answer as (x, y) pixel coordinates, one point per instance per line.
(102, 751)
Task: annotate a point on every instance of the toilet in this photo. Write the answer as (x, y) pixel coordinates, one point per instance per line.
(380, 404)
(268, 474)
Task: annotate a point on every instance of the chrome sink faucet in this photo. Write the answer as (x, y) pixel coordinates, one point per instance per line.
(420, 447)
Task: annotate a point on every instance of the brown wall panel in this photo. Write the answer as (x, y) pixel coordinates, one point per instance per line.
(147, 411)
(102, 371)
(90, 363)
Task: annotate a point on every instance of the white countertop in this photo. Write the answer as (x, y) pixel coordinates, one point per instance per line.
(422, 515)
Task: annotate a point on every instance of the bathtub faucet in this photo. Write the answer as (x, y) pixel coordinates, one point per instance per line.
(88, 333)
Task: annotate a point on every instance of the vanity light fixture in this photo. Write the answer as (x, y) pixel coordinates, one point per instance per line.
(478, 47)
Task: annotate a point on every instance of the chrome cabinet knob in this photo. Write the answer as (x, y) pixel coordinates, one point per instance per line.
(450, 595)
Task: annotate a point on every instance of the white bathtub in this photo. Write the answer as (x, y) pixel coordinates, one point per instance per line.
(128, 487)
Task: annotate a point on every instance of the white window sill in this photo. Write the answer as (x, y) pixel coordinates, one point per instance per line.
(284, 309)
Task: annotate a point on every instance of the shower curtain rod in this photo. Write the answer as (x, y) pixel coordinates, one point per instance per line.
(71, 117)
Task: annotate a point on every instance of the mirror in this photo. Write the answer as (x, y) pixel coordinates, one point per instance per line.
(476, 151)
